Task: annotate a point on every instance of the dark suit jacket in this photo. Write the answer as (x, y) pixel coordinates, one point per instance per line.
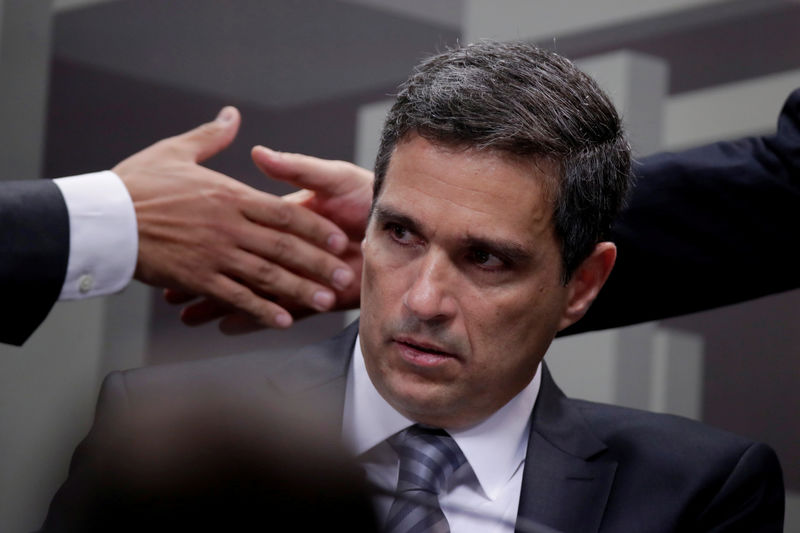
(589, 467)
(34, 250)
(706, 227)
(212, 445)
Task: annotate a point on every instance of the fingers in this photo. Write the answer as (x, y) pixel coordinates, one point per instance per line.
(327, 177)
(235, 295)
(233, 322)
(296, 220)
(240, 296)
(274, 252)
(287, 286)
(207, 310)
(238, 324)
(210, 138)
(301, 197)
(177, 297)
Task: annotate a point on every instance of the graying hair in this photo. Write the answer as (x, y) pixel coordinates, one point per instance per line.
(521, 100)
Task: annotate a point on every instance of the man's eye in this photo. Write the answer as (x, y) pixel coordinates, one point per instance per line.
(486, 260)
(398, 233)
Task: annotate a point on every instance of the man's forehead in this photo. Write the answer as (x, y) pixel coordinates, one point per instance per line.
(484, 186)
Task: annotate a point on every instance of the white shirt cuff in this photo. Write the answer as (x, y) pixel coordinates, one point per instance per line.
(103, 238)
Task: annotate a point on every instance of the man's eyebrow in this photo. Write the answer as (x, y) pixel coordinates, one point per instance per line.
(510, 251)
(385, 213)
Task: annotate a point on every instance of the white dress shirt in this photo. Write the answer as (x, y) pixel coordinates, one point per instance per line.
(488, 484)
(103, 238)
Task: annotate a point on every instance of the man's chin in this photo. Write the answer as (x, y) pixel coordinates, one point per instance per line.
(425, 403)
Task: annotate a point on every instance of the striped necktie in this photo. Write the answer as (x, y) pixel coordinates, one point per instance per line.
(427, 457)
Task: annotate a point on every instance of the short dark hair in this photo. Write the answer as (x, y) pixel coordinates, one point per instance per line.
(521, 100)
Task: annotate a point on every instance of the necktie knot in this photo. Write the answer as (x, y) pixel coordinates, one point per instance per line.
(428, 457)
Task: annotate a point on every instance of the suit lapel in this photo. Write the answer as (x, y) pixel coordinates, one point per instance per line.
(567, 476)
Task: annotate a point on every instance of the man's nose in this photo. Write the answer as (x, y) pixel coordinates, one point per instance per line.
(430, 296)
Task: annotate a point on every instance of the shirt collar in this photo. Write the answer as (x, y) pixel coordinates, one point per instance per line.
(494, 449)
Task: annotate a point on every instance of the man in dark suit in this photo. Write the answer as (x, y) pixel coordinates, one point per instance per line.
(500, 170)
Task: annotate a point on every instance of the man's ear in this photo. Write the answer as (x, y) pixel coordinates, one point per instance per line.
(586, 282)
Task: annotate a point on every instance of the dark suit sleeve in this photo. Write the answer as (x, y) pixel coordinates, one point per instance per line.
(705, 228)
(34, 250)
(752, 498)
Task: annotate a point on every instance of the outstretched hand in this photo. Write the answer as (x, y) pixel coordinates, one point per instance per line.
(203, 233)
(339, 191)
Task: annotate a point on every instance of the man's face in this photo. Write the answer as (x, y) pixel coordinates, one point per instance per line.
(461, 292)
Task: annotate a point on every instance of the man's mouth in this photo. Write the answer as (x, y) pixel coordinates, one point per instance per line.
(424, 353)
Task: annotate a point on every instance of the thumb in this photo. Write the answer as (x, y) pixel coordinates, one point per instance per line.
(326, 177)
(212, 137)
